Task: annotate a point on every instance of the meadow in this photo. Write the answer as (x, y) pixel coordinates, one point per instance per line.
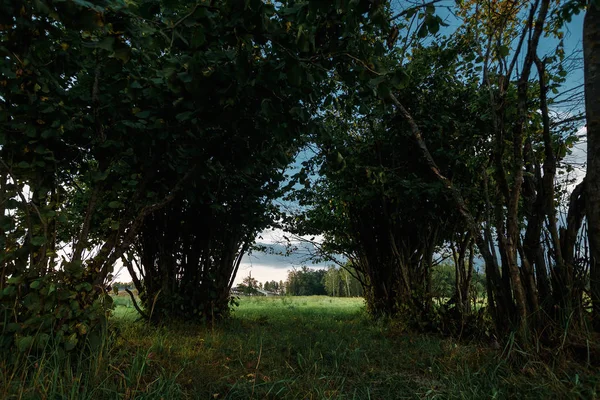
(290, 348)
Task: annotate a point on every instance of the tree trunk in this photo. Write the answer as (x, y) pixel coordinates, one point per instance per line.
(591, 56)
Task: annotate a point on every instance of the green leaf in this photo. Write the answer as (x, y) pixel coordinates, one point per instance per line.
(143, 114)
(114, 204)
(433, 25)
(9, 291)
(294, 75)
(400, 79)
(184, 116)
(15, 280)
(503, 51)
(423, 31)
(35, 284)
(198, 38)
(106, 43)
(123, 54)
(24, 343)
(84, 286)
(384, 91)
(265, 107)
(185, 77)
(71, 342)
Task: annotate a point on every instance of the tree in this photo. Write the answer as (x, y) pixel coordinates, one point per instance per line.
(272, 286)
(305, 282)
(73, 161)
(274, 87)
(250, 286)
(342, 282)
(591, 55)
(375, 200)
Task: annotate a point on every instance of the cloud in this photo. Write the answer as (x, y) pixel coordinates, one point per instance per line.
(276, 256)
(264, 273)
(577, 160)
(279, 236)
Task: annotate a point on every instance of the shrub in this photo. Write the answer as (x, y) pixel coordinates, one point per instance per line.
(61, 307)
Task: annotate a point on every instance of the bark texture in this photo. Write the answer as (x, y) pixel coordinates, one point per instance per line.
(591, 55)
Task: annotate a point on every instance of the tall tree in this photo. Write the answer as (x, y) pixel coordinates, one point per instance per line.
(591, 55)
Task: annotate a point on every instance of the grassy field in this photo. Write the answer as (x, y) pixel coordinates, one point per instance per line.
(298, 348)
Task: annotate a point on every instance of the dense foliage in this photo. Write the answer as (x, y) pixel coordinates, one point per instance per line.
(305, 282)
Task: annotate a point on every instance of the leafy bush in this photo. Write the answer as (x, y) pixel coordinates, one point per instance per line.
(62, 308)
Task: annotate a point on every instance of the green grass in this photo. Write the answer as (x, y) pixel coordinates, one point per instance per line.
(298, 348)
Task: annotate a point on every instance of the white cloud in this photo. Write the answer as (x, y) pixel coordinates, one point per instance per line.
(261, 273)
(577, 159)
(278, 236)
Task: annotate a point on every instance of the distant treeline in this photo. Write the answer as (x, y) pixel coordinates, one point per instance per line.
(346, 282)
(337, 282)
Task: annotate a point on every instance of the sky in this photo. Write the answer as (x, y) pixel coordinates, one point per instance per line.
(267, 267)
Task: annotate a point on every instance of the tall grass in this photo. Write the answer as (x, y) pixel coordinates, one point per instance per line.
(288, 348)
(112, 371)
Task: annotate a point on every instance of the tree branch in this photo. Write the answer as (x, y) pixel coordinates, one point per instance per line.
(406, 11)
(135, 305)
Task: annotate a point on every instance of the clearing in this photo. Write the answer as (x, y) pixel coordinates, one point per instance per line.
(323, 348)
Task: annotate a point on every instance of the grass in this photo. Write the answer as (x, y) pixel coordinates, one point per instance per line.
(294, 348)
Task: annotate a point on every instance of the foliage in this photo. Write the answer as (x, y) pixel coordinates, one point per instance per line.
(158, 133)
(274, 286)
(443, 281)
(249, 286)
(343, 282)
(254, 80)
(369, 195)
(74, 165)
(56, 309)
(527, 148)
(305, 282)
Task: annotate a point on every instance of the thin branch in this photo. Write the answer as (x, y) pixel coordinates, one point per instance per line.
(24, 200)
(85, 229)
(364, 64)
(136, 224)
(135, 304)
(406, 11)
(568, 120)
